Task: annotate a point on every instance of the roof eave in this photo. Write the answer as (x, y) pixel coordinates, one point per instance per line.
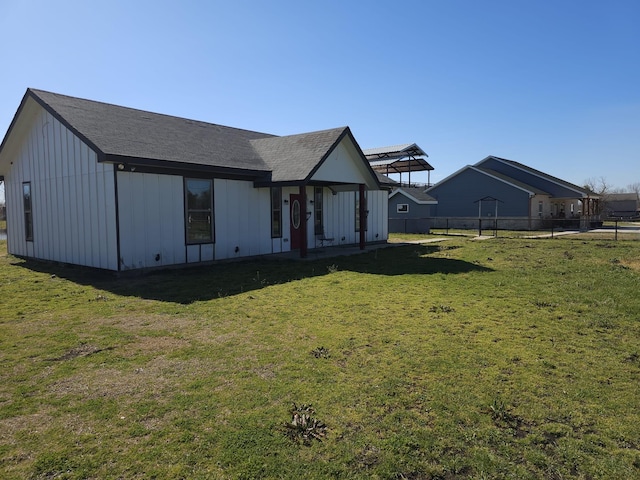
(182, 168)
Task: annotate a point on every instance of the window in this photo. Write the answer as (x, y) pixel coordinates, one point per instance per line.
(276, 212)
(318, 227)
(540, 209)
(199, 210)
(402, 208)
(28, 216)
(358, 211)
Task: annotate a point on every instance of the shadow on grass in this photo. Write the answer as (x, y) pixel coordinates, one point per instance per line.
(187, 285)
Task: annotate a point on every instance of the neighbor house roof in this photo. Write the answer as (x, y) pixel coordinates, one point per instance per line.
(417, 194)
(622, 197)
(491, 173)
(385, 181)
(136, 137)
(511, 181)
(538, 173)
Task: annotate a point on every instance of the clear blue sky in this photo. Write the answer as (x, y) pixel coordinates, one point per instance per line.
(554, 84)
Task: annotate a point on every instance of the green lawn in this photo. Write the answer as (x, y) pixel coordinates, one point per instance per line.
(502, 358)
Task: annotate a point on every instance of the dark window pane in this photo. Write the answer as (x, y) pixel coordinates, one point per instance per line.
(276, 224)
(28, 226)
(276, 212)
(199, 194)
(28, 217)
(317, 211)
(26, 192)
(199, 211)
(199, 227)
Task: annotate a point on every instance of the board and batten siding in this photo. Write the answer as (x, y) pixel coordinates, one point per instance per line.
(73, 200)
(152, 221)
(242, 220)
(340, 209)
(151, 214)
(340, 217)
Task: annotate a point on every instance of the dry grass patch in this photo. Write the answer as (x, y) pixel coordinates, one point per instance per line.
(634, 263)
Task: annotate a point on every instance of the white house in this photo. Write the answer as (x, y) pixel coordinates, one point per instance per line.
(115, 188)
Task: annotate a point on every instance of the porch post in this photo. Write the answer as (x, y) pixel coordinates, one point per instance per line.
(303, 221)
(363, 216)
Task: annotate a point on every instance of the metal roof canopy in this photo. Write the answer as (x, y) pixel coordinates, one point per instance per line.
(398, 159)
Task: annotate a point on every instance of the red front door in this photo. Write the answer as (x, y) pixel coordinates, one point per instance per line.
(295, 207)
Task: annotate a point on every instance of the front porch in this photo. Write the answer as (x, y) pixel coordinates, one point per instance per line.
(581, 213)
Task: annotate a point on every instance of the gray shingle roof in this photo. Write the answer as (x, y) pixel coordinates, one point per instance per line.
(152, 140)
(620, 197)
(295, 157)
(557, 180)
(418, 193)
(384, 180)
(128, 132)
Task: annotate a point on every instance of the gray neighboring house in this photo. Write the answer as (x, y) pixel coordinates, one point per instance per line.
(520, 197)
(410, 210)
(621, 205)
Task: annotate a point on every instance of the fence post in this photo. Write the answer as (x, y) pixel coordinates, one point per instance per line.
(479, 227)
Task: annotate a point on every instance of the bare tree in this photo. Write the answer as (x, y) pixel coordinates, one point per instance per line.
(599, 186)
(634, 187)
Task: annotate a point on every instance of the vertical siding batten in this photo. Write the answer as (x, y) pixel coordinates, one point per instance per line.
(52, 159)
(116, 219)
(151, 220)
